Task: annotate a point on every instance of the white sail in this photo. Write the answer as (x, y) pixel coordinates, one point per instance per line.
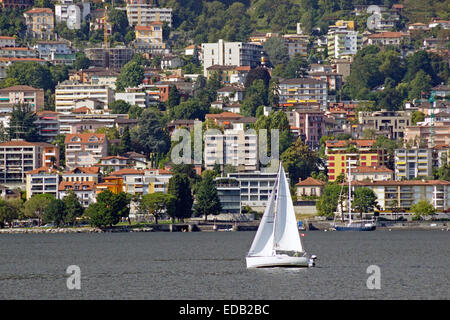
(286, 235)
(263, 243)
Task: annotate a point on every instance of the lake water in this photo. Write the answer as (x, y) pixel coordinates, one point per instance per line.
(204, 265)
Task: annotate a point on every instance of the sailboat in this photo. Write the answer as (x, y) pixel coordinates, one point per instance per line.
(359, 225)
(277, 242)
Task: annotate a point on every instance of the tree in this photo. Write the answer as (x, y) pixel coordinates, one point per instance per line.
(276, 50)
(156, 204)
(296, 67)
(174, 97)
(119, 107)
(60, 142)
(150, 136)
(72, 207)
(329, 200)
(207, 199)
(36, 205)
(364, 200)
(109, 209)
(259, 73)
(417, 116)
(9, 210)
(32, 74)
(180, 188)
(131, 75)
(81, 61)
(125, 141)
(423, 209)
(55, 212)
(23, 124)
(299, 161)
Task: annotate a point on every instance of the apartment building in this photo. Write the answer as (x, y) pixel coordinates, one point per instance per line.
(149, 38)
(309, 187)
(296, 44)
(389, 38)
(229, 193)
(231, 54)
(373, 173)
(142, 14)
(235, 148)
(72, 14)
(390, 123)
(343, 40)
(21, 94)
(114, 58)
(42, 180)
(6, 41)
(46, 48)
(114, 163)
(356, 152)
(74, 122)
(80, 174)
(85, 149)
(18, 157)
(134, 96)
(18, 52)
(85, 191)
(255, 186)
(440, 133)
(40, 23)
(68, 92)
(413, 163)
(403, 194)
(308, 124)
(303, 90)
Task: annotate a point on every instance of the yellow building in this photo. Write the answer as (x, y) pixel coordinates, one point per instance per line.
(152, 33)
(358, 152)
(40, 22)
(111, 183)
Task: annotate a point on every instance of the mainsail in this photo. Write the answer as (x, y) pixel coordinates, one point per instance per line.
(286, 235)
(263, 243)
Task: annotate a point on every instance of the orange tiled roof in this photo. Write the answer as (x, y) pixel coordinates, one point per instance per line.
(126, 171)
(401, 183)
(369, 169)
(88, 170)
(40, 10)
(310, 182)
(42, 170)
(388, 34)
(85, 137)
(223, 115)
(64, 185)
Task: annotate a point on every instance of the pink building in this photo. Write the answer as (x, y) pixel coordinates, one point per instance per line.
(309, 124)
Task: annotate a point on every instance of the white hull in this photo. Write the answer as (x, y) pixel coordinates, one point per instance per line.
(277, 261)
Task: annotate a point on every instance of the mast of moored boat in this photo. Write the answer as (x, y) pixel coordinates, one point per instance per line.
(349, 194)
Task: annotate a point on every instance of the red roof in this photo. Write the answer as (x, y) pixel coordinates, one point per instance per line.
(84, 137)
(42, 170)
(88, 170)
(388, 35)
(126, 171)
(64, 185)
(310, 182)
(369, 169)
(40, 10)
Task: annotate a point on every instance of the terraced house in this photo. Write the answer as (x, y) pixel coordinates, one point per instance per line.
(85, 149)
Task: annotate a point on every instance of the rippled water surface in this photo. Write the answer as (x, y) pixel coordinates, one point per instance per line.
(413, 264)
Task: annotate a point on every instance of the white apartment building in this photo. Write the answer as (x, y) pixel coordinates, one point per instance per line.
(72, 14)
(413, 163)
(68, 92)
(303, 90)
(42, 180)
(296, 44)
(46, 48)
(343, 43)
(256, 187)
(231, 54)
(85, 149)
(134, 96)
(404, 194)
(6, 41)
(144, 14)
(85, 191)
(235, 148)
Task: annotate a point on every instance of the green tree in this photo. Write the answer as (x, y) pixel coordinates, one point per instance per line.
(156, 204)
(276, 50)
(72, 207)
(329, 201)
(207, 199)
(364, 200)
(119, 107)
(36, 205)
(55, 212)
(299, 161)
(150, 136)
(423, 209)
(417, 116)
(180, 188)
(109, 209)
(174, 97)
(131, 75)
(23, 124)
(9, 210)
(81, 61)
(32, 74)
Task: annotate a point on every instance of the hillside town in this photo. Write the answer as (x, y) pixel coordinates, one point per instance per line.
(94, 96)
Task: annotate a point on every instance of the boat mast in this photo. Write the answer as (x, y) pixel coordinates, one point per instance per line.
(349, 194)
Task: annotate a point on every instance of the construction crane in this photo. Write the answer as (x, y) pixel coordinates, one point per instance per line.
(432, 117)
(105, 37)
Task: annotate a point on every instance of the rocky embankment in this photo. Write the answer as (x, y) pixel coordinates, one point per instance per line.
(70, 230)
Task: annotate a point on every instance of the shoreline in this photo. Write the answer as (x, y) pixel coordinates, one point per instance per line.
(221, 227)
